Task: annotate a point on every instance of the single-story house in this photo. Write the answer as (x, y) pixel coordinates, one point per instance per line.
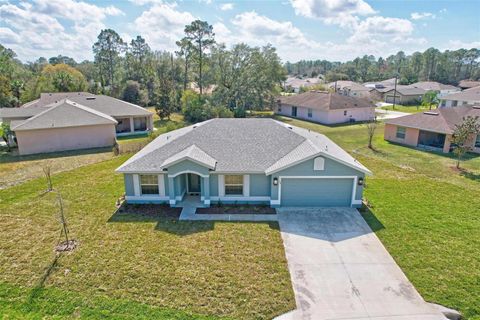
(350, 88)
(467, 84)
(326, 107)
(296, 83)
(43, 125)
(441, 89)
(381, 84)
(254, 161)
(466, 97)
(430, 129)
(404, 95)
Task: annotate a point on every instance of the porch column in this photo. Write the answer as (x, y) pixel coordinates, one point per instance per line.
(150, 123)
(171, 191)
(131, 125)
(206, 191)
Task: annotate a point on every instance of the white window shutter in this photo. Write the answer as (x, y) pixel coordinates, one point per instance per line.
(246, 185)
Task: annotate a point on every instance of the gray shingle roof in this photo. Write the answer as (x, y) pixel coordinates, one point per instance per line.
(105, 104)
(238, 146)
(192, 153)
(407, 91)
(19, 112)
(433, 85)
(65, 113)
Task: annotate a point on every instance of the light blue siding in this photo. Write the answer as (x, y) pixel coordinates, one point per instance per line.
(259, 185)
(128, 180)
(316, 192)
(187, 165)
(331, 168)
(214, 185)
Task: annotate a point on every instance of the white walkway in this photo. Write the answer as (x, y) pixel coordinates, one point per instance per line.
(340, 270)
(389, 114)
(190, 204)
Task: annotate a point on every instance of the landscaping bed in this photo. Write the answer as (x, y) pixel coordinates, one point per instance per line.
(150, 210)
(237, 209)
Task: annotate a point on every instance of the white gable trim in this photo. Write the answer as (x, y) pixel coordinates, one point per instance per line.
(187, 171)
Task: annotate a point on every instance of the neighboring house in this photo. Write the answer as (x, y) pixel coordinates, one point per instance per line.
(326, 107)
(466, 97)
(430, 129)
(381, 84)
(378, 94)
(255, 161)
(294, 83)
(467, 84)
(61, 134)
(350, 88)
(441, 89)
(404, 95)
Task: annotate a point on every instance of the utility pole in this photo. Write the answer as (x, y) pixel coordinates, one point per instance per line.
(394, 93)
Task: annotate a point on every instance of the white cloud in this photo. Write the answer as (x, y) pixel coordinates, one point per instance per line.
(162, 25)
(444, 10)
(42, 27)
(422, 15)
(331, 9)
(458, 44)
(226, 6)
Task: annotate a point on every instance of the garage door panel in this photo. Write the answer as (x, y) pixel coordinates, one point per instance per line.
(305, 192)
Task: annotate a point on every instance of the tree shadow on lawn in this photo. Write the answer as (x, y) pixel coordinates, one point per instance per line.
(470, 175)
(167, 219)
(39, 287)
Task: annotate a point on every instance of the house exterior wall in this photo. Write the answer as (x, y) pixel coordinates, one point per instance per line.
(456, 103)
(329, 117)
(402, 99)
(187, 166)
(258, 188)
(411, 135)
(61, 139)
(331, 169)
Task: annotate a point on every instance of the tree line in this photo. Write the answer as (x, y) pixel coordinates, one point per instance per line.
(448, 67)
(202, 77)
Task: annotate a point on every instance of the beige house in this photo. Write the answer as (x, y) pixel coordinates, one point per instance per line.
(404, 95)
(431, 130)
(466, 97)
(440, 88)
(74, 120)
(326, 107)
(350, 88)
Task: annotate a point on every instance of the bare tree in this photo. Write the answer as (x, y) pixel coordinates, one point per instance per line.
(371, 127)
(48, 177)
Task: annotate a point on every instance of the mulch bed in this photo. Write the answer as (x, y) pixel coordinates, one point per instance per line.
(237, 210)
(150, 210)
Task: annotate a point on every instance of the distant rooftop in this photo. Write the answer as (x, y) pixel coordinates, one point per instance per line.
(321, 100)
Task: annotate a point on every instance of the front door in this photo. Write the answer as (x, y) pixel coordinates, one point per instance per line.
(193, 184)
(294, 111)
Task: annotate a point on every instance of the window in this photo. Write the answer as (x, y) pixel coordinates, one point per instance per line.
(234, 185)
(294, 111)
(149, 184)
(400, 133)
(140, 124)
(279, 108)
(454, 103)
(310, 112)
(477, 142)
(345, 112)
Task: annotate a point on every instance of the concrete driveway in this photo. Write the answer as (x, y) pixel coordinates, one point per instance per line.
(389, 114)
(341, 270)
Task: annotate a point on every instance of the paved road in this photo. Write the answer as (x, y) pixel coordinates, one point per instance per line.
(340, 269)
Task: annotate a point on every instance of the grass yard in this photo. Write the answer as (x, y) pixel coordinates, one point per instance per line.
(408, 109)
(426, 214)
(130, 265)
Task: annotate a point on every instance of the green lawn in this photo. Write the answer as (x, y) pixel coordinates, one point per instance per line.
(425, 212)
(133, 263)
(408, 109)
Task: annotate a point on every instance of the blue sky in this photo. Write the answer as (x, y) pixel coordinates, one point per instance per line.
(300, 29)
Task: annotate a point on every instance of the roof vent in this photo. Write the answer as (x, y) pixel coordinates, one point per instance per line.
(194, 127)
(91, 98)
(476, 107)
(289, 127)
(431, 113)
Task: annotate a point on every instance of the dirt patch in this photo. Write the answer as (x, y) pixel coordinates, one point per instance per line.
(150, 210)
(237, 210)
(65, 246)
